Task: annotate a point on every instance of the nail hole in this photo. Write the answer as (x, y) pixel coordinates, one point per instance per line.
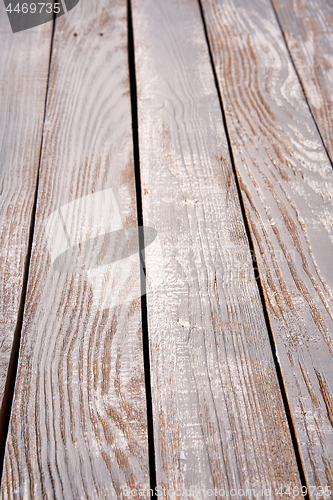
(101, 34)
(75, 34)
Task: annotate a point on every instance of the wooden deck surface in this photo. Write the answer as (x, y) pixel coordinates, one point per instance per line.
(193, 359)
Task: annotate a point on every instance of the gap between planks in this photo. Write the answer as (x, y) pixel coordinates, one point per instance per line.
(256, 268)
(306, 88)
(78, 425)
(286, 181)
(144, 314)
(210, 353)
(7, 397)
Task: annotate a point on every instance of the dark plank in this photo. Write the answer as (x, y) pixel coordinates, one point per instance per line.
(308, 28)
(24, 64)
(219, 420)
(78, 424)
(287, 187)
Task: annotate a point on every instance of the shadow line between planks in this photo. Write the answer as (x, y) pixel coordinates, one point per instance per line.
(299, 79)
(6, 407)
(144, 314)
(255, 265)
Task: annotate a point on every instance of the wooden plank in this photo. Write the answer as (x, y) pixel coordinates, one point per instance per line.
(78, 426)
(219, 420)
(24, 64)
(287, 187)
(308, 28)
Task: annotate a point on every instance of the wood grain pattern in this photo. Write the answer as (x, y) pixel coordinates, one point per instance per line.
(24, 64)
(287, 186)
(308, 28)
(219, 420)
(78, 424)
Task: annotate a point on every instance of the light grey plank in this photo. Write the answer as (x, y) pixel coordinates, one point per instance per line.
(219, 420)
(78, 426)
(308, 28)
(24, 64)
(287, 186)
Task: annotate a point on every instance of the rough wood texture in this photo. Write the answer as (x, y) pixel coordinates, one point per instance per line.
(219, 419)
(78, 424)
(24, 64)
(287, 186)
(308, 28)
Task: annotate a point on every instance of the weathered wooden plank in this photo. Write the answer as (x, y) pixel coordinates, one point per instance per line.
(308, 28)
(24, 64)
(219, 420)
(287, 187)
(78, 424)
